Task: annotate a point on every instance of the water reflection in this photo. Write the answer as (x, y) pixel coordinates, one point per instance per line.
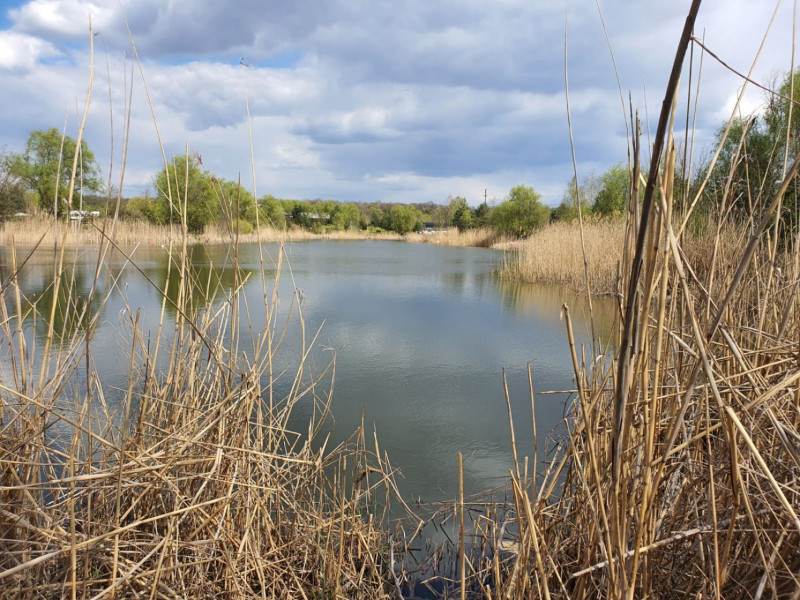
(547, 301)
(421, 333)
(211, 275)
(70, 305)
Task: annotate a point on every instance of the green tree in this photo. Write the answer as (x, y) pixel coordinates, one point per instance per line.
(300, 212)
(346, 216)
(614, 192)
(270, 212)
(405, 219)
(235, 202)
(185, 191)
(521, 213)
(12, 191)
(751, 160)
(139, 207)
(379, 217)
(747, 166)
(776, 116)
(45, 165)
(461, 213)
(573, 194)
(482, 216)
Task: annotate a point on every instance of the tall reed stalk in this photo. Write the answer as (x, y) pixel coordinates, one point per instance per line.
(189, 482)
(678, 477)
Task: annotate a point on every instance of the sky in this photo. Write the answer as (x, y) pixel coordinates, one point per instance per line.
(369, 100)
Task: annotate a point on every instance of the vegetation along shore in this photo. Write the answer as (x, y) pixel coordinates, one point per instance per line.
(676, 475)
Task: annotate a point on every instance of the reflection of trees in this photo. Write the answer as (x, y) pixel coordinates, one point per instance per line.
(454, 282)
(475, 282)
(547, 300)
(70, 306)
(210, 273)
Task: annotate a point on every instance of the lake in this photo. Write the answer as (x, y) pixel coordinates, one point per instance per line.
(421, 335)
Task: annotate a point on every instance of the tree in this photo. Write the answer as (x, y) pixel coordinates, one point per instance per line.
(379, 218)
(46, 162)
(345, 216)
(270, 212)
(300, 212)
(184, 190)
(405, 219)
(568, 209)
(482, 215)
(462, 215)
(776, 116)
(139, 207)
(614, 193)
(751, 160)
(521, 213)
(235, 202)
(747, 165)
(12, 191)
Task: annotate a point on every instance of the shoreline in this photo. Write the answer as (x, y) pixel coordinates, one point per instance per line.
(552, 255)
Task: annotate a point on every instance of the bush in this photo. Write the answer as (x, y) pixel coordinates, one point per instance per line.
(521, 213)
(244, 226)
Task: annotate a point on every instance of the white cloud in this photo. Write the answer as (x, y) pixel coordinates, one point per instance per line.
(20, 51)
(63, 17)
(361, 100)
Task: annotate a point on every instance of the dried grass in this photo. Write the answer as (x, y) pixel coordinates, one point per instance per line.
(41, 228)
(678, 477)
(197, 486)
(481, 238)
(553, 255)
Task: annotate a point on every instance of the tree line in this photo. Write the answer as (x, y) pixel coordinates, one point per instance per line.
(185, 192)
(749, 167)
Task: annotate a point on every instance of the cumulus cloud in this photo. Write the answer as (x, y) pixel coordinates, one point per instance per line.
(359, 100)
(68, 18)
(22, 52)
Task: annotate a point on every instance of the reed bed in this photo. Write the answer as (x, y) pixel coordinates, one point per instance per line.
(220, 234)
(188, 483)
(481, 238)
(554, 255)
(41, 228)
(678, 475)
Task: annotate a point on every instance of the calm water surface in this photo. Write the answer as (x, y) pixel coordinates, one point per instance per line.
(421, 334)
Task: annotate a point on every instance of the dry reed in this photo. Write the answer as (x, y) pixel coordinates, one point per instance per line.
(553, 255)
(678, 477)
(41, 228)
(481, 238)
(197, 486)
